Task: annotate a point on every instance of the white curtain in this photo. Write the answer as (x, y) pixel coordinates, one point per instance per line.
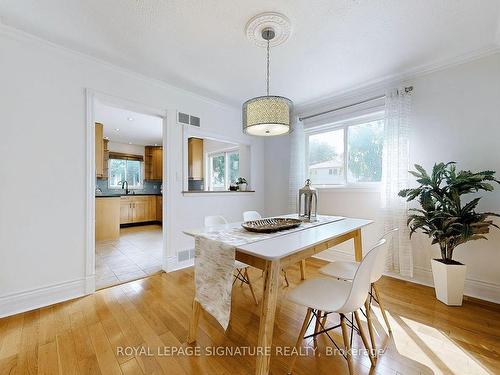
(395, 177)
(297, 174)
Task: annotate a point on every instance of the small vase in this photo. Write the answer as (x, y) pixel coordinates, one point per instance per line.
(243, 187)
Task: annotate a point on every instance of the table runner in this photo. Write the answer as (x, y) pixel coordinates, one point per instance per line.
(214, 263)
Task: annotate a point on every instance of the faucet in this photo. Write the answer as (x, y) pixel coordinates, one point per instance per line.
(125, 186)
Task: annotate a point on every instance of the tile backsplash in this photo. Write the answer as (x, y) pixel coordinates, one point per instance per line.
(149, 187)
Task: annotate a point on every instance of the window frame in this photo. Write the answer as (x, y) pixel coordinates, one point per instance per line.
(337, 125)
(130, 187)
(226, 153)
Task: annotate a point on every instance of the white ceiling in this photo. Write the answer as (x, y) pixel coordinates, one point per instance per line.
(142, 130)
(201, 45)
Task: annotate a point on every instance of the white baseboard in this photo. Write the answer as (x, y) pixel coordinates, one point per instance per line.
(33, 299)
(473, 288)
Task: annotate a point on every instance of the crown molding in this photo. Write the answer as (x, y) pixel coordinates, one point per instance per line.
(375, 85)
(379, 85)
(21, 35)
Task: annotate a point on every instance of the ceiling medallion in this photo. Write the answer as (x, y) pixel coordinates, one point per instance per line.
(278, 22)
(267, 115)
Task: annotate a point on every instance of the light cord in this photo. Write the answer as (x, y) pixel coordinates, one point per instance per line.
(267, 81)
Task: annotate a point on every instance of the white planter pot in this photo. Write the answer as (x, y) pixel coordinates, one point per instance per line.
(449, 280)
(243, 187)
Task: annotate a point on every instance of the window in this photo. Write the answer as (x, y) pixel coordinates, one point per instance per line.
(224, 169)
(125, 170)
(346, 153)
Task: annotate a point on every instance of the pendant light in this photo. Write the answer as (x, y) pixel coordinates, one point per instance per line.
(267, 115)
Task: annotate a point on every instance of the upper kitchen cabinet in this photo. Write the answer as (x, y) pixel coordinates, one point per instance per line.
(153, 160)
(195, 158)
(99, 150)
(105, 161)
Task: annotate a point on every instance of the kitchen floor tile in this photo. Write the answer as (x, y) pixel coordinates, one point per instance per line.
(137, 253)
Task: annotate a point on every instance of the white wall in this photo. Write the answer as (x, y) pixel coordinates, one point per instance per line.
(43, 148)
(277, 170)
(456, 116)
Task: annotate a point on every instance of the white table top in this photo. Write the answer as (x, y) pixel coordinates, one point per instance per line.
(282, 246)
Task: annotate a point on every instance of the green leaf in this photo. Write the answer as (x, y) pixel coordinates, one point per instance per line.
(442, 215)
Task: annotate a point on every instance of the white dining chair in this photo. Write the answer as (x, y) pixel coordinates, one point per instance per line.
(254, 215)
(241, 269)
(345, 270)
(336, 296)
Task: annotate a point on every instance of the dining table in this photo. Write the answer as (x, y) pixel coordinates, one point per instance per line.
(274, 254)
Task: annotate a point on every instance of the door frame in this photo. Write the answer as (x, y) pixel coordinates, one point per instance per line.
(91, 97)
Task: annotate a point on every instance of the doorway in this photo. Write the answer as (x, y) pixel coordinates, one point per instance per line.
(128, 160)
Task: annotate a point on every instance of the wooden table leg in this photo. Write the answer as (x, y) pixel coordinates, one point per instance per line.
(267, 316)
(193, 323)
(358, 247)
(303, 269)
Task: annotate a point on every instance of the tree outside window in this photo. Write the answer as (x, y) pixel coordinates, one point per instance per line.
(125, 170)
(346, 154)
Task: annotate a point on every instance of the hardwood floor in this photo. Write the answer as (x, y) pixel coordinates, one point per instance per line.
(148, 317)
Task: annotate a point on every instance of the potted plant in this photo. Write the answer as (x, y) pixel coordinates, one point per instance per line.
(242, 184)
(449, 221)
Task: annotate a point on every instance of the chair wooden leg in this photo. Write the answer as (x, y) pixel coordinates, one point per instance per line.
(303, 269)
(251, 287)
(286, 278)
(370, 323)
(347, 344)
(299, 339)
(382, 308)
(363, 337)
(323, 321)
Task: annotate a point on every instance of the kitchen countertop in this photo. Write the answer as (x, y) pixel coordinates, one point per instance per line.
(125, 195)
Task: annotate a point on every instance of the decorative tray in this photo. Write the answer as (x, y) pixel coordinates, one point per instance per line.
(271, 225)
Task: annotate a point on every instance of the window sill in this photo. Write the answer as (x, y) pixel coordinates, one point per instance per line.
(349, 188)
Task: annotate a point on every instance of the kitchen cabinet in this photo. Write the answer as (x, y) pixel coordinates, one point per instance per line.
(107, 218)
(138, 209)
(126, 211)
(195, 158)
(99, 150)
(159, 208)
(105, 160)
(151, 214)
(153, 162)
